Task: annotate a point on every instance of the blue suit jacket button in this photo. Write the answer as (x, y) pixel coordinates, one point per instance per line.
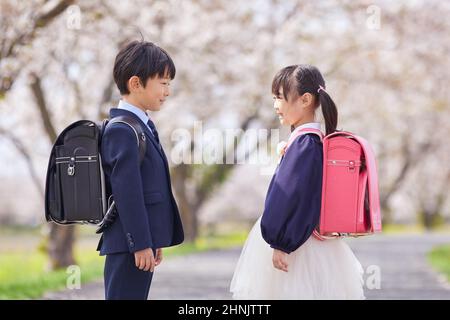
(131, 244)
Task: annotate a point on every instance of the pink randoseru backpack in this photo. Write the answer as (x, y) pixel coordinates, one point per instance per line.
(350, 199)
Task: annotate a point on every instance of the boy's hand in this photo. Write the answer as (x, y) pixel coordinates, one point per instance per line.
(279, 260)
(159, 257)
(145, 260)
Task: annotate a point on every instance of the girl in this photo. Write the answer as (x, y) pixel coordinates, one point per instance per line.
(281, 259)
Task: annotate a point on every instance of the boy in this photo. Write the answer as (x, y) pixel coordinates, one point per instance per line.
(148, 217)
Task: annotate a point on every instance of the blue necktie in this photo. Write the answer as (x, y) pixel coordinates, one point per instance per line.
(153, 129)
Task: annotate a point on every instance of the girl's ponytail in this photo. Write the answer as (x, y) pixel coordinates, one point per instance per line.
(329, 110)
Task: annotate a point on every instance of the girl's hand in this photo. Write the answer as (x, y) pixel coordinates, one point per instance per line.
(279, 260)
(159, 257)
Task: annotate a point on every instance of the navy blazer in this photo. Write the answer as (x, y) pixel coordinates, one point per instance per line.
(293, 201)
(148, 215)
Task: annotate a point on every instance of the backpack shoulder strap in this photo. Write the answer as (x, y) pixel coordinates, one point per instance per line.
(372, 180)
(311, 130)
(138, 130)
(111, 213)
(304, 131)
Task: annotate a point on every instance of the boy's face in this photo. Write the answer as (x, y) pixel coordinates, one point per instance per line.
(152, 96)
(155, 92)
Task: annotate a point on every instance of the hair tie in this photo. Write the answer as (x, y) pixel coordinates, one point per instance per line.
(321, 88)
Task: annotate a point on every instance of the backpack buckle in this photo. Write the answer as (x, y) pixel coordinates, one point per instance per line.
(351, 165)
(71, 168)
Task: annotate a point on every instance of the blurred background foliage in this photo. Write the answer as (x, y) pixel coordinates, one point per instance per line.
(386, 66)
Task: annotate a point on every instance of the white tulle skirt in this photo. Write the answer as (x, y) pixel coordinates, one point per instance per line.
(317, 270)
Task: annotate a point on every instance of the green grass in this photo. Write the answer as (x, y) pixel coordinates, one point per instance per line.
(412, 229)
(402, 228)
(23, 274)
(208, 243)
(14, 230)
(439, 258)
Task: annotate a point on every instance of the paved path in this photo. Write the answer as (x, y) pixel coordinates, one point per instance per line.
(405, 273)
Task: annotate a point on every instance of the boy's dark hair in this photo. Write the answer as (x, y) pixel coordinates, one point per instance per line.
(302, 78)
(144, 60)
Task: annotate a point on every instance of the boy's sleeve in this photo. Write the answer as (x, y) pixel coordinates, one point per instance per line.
(120, 152)
(293, 203)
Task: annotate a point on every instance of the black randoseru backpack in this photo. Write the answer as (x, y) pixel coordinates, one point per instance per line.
(75, 190)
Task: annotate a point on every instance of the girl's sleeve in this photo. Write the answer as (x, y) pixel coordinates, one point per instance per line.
(293, 202)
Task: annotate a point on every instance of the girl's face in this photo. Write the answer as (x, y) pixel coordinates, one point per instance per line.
(295, 110)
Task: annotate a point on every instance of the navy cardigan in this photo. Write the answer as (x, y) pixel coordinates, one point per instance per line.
(293, 201)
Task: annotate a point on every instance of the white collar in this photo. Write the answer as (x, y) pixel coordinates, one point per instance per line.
(129, 107)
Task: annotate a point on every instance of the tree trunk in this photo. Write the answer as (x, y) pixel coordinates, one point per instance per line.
(410, 159)
(188, 215)
(431, 215)
(431, 219)
(60, 246)
(61, 238)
